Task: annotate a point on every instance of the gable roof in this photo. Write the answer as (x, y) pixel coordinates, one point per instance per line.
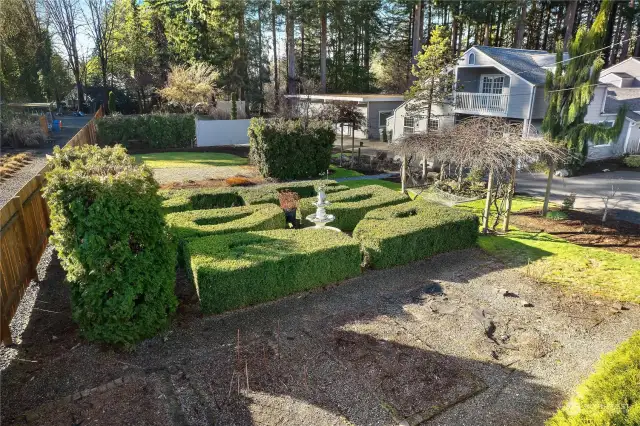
(527, 64)
(618, 96)
(630, 66)
(622, 74)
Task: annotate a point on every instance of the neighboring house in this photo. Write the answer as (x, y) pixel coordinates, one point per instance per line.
(491, 81)
(375, 108)
(620, 85)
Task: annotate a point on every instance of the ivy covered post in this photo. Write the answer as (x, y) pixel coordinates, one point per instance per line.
(234, 106)
(112, 102)
(569, 90)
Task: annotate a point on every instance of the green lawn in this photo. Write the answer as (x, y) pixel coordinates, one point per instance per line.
(553, 260)
(339, 172)
(611, 395)
(364, 182)
(161, 160)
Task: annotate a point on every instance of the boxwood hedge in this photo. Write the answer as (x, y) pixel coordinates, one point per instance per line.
(235, 270)
(199, 223)
(400, 234)
(290, 149)
(352, 205)
(148, 130)
(112, 242)
(212, 198)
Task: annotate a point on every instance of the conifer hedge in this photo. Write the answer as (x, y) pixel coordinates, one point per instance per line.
(290, 149)
(148, 130)
(110, 236)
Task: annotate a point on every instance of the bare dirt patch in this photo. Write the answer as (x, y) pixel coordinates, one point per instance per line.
(436, 341)
(585, 229)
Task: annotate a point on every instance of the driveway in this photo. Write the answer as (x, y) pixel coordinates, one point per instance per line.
(589, 189)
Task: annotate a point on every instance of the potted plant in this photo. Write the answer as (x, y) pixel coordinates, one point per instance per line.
(289, 203)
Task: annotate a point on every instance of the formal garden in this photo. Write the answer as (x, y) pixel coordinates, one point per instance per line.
(174, 286)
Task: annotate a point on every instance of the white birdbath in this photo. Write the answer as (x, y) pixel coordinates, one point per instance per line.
(320, 218)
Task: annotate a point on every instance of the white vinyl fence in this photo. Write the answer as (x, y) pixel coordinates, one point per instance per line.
(222, 132)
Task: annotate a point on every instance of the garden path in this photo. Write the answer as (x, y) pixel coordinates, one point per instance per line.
(446, 340)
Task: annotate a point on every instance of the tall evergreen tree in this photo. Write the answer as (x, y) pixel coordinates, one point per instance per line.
(569, 90)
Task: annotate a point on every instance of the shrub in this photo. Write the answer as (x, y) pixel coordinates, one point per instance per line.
(112, 102)
(148, 130)
(400, 234)
(212, 198)
(112, 241)
(611, 395)
(349, 207)
(235, 270)
(200, 223)
(286, 149)
(632, 161)
(557, 215)
(19, 131)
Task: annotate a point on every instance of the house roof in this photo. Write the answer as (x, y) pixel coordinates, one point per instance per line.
(629, 96)
(356, 97)
(622, 75)
(528, 64)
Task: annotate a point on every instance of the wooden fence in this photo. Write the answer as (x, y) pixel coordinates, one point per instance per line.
(24, 234)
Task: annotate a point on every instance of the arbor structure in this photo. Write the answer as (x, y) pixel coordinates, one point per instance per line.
(569, 90)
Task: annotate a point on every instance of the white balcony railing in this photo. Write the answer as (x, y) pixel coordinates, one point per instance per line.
(481, 103)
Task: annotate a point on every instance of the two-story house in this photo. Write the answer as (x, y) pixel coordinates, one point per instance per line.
(509, 83)
(620, 85)
(490, 81)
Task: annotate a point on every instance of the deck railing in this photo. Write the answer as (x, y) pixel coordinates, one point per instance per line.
(24, 234)
(481, 103)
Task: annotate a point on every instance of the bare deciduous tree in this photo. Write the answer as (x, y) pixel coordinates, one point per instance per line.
(64, 16)
(190, 87)
(101, 21)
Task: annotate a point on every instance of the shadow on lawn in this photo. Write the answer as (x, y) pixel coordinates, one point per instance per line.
(290, 362)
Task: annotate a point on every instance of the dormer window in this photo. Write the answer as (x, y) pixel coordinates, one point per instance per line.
(472, 58)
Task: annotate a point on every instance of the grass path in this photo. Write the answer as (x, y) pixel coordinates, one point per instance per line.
(162, 160)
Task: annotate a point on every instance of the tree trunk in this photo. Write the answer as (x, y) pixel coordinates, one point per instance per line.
(613, 54)
(301, 71)
(454, 27)
(547, 191)
(341, 142)
(487, 27)
(547, 22)
(323, 48)
(291, 53)
(569, 20)
(403, 174)
(610, 33)
(260, 78)
(418, 15)
(276, 82)
(520, 28)
(366, 53)
(512, 186)
(497, 40)
(627, 32)
(487, 203)
(105, 93)
(429, 20)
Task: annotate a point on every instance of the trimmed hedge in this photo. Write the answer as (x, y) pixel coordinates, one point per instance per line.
(200, 223)
(286, 149)
(611, 395)
(235, 270)
(407, 232)
(112, 242)
(213, 198)
(350, 207)
(148, 130)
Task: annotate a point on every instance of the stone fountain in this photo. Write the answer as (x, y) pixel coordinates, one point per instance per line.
(320, 218)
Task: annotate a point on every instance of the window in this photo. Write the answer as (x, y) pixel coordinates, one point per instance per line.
(472, 58)
(409, 124)
(492, 84)
(382, 117)
(434, 124)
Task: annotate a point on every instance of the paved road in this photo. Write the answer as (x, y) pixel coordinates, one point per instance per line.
(589, 189)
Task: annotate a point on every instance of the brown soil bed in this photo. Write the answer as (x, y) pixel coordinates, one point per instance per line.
(211, 183)
(585, 229)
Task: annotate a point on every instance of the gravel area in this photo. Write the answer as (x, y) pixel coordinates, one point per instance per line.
(182, 174)
(453, 340)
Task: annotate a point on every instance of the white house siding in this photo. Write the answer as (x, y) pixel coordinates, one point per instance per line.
(519, 99)
(540, 106)
(469, 78)
(395, 123)
(616, 148)
(594, 110)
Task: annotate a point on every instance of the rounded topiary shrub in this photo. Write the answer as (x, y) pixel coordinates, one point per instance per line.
(111, 239)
